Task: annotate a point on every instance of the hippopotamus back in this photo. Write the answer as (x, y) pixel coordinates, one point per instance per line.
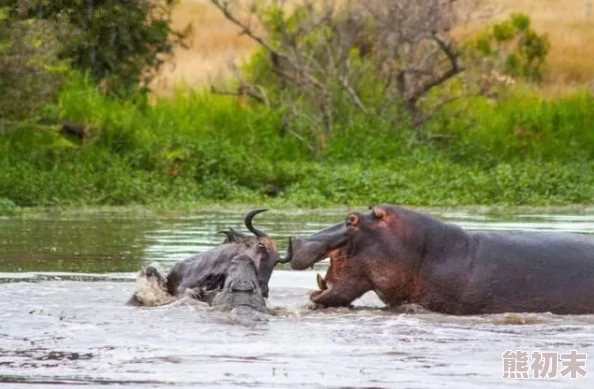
(519, 271)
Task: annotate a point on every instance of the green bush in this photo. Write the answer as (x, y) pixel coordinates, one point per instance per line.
(523, 126)
(201, 148)
(121, 45)
(6, 205)
(31, 71)
(520, 49)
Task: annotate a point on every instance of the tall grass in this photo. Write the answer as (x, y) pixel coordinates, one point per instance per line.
(195, 147)
(525, 126)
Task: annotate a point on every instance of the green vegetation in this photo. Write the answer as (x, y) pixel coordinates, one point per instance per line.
(432, 136)
(513, 42)
(31, 72)
(200, 148)
(120, 46)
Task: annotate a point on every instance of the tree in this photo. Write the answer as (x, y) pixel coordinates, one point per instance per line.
(120, 44)
(31, 73)
(321, 60)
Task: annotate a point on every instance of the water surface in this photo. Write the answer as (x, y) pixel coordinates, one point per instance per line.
(63, 282)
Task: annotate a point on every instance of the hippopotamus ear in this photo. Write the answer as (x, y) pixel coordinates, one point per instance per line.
(378, 213)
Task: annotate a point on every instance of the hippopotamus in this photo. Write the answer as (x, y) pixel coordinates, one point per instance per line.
(411, 257)
(208, 270)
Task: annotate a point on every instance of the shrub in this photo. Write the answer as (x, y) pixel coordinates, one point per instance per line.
(514, 48)
(31, 71)
(120, 44)
(327, 64)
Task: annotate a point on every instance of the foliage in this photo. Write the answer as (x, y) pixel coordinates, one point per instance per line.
(31, 72)
(120, 44)
(515, 47)
(6, 205)
(325, 63)
(203, 148)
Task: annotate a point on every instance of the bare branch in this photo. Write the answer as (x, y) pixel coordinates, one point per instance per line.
(242, 91)
(347, 87)
(419, 120)
(223, 6)
(325, 52)
(454, 69)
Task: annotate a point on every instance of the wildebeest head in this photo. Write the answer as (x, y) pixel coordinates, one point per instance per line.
(259, 247)
(207, 271)
(242, 287)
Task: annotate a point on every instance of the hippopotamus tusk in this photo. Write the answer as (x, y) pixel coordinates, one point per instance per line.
(321, 282)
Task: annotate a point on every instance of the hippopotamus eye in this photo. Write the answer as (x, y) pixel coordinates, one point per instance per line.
(352, 220)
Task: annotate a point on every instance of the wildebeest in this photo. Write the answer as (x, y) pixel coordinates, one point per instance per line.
(241, 295)
(207, 271)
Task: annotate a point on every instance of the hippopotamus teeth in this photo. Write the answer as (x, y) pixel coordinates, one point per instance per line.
(321, 282)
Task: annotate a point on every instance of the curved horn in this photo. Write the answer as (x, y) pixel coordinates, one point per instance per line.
(227, 233)
(237, 233)
(228, 236)
(232, 235)
(248, 222)
(289, 254)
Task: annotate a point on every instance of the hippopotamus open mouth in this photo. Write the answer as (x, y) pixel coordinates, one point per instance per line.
(333, 243)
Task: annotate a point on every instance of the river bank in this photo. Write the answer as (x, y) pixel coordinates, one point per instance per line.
(201, 149)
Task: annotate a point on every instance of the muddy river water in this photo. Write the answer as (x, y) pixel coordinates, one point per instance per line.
(63, 323)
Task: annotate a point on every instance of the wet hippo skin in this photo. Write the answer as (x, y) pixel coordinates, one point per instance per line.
(411, 257)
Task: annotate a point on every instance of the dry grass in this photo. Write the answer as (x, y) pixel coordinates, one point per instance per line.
(216, 43)
(570, 26)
